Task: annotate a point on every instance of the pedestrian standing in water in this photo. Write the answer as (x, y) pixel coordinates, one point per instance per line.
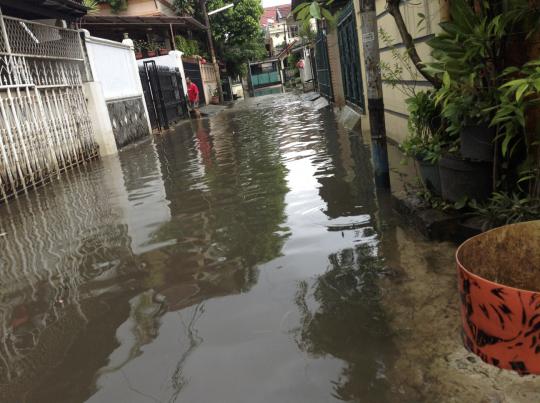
(193, 97)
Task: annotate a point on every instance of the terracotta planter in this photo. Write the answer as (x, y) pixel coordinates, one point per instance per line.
(151, 53)
(164, 52)
(499, 285)
(214, 100)
(138, 55)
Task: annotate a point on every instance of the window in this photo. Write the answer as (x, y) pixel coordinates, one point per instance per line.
(293, 31)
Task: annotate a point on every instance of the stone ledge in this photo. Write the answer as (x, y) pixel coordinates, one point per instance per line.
(435, 224)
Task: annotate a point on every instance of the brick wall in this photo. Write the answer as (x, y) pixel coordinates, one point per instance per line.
(335, 67)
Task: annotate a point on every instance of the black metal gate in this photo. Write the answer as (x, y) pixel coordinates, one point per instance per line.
(349, 55)
(322, 63)
(193, 71)
(163, 93)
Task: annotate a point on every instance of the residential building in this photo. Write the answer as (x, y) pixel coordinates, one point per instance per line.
(152, 22)
(280, 28)
(339, 59)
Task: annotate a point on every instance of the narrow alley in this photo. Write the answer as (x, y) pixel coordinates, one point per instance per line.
(245, 257)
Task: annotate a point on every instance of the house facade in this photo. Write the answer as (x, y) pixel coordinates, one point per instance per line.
(151, 23)
(280, 28)
(339, 58)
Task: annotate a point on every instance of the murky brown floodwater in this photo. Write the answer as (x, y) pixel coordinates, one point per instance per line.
(244, 259)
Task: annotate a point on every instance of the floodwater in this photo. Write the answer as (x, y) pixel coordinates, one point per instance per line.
(242, 258)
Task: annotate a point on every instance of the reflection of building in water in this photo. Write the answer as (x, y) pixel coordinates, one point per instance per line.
(64, 246)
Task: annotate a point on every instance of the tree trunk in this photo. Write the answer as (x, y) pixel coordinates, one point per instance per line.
(393, 8)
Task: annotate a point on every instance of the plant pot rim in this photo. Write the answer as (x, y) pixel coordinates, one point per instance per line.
(476, 276)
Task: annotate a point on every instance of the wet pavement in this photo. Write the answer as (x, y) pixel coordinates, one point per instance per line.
(242, 258)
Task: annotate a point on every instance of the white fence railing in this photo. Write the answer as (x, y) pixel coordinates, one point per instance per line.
(44, 122)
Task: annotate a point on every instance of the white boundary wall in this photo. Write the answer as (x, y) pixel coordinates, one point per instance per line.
(113, 64)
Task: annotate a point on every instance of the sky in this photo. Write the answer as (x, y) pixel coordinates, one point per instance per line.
(270, 3)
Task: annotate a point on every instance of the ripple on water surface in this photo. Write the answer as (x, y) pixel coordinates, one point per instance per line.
(235, 259)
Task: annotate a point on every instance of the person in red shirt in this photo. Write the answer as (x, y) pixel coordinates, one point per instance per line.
(193, 97)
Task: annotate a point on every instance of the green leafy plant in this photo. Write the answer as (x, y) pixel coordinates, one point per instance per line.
(140, 45)
(506, 208)
(189, 47)
(92, 6)
(184, 7)
(304, 12)
(152, 46)
(425, 141)
(517, 97)
(393, 73)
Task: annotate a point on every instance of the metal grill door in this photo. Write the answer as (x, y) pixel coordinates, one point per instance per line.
(193, 71)
(349, 55)
(323, 66)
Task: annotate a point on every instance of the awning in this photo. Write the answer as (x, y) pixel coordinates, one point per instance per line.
(134, 21)
(35, 9)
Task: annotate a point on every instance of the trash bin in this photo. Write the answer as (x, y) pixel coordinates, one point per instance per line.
(499, 286)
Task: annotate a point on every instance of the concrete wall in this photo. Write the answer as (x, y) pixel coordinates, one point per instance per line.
(394, 99)
(113, 65)
(134, 8)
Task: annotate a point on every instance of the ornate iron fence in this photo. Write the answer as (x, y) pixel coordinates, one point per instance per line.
(44, 122)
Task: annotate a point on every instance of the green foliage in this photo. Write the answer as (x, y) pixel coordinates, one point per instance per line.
(505, 208)
(424, 140)
(392, 74)
(190, 47)
(467, 56)
(306, 32)
(304, 12)
(152, 46)
(92, 6)
(140, 45)
(517, 97)
(237, 35)
(116, 5)
(184, 7)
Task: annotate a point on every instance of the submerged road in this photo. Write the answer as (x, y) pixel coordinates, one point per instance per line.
(242, 258)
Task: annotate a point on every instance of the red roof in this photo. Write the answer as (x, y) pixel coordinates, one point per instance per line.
(272, 13)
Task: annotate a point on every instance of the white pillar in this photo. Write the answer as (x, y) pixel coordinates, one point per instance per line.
(99, 115)
(176, 55)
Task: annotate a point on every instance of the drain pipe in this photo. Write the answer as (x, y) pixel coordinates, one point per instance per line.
(372, 61)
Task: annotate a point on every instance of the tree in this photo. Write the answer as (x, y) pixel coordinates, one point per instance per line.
(237, 35)
(184, 7)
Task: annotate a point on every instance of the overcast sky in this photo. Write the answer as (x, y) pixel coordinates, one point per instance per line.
(270, 3)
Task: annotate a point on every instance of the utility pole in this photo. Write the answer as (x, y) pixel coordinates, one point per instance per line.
(202, 4)
(370, 40)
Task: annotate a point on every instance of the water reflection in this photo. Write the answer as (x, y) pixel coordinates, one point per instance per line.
(232, 260)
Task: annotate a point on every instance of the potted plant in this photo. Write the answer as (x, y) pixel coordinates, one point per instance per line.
(424, 142)
(467, 57)
(215, 97)
(139, 46)
(461, 177)
(163, 50)
(152, 48)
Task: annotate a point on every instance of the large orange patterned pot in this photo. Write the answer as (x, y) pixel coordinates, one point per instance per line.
(499, 285)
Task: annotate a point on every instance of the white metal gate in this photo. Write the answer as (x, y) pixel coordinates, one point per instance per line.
(44, 122)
